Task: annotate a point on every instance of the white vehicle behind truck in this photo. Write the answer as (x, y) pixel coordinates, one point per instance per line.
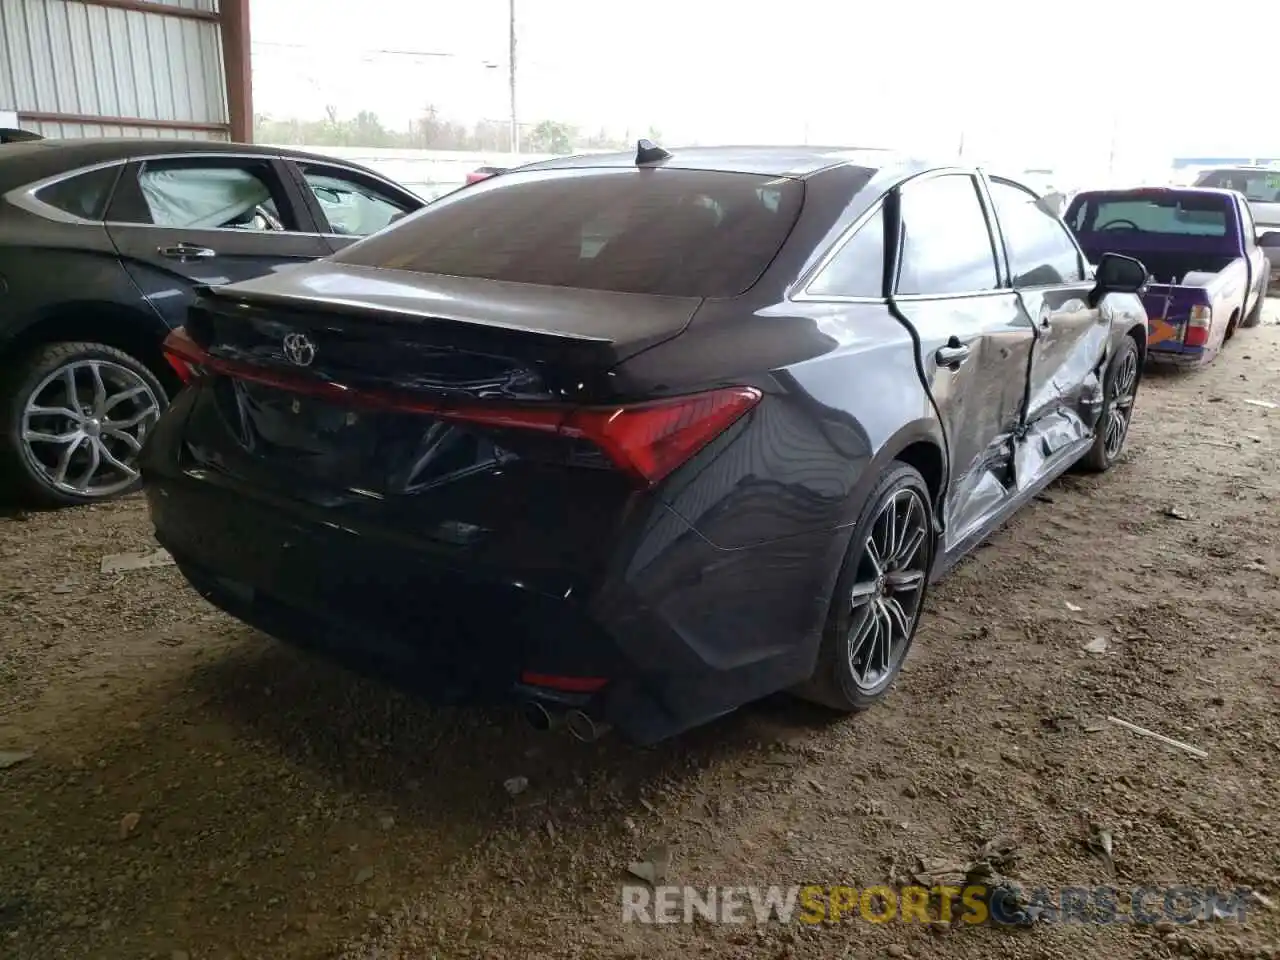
(1261, 187)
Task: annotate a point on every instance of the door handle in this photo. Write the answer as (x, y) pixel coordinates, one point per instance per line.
(186, 251)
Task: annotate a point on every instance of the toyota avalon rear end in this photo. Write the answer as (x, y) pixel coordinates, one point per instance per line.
(429, 457)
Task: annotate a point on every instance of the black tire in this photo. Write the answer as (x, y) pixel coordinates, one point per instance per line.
(835, 683)
(1126, 364)
(22, 470)
(1255, 315)
(1231, 328)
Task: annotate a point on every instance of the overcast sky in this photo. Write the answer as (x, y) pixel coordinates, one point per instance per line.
(1037, 81)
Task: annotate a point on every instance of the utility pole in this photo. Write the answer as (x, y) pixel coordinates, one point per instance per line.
(511, 76)
(1111, 156)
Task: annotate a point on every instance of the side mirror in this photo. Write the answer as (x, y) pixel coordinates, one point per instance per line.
(1117, 274)
(1269, 239)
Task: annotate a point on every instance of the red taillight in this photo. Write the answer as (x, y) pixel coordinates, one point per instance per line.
(183, 354)
(1195, 337)
(1199, 322)
(651, 439)
(646, 440)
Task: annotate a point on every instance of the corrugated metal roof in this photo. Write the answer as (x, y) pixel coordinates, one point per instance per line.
(74, 58)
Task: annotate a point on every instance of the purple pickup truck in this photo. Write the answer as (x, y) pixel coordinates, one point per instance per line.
(1208, 274)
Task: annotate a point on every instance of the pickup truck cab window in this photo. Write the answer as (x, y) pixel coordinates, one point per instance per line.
(946, 247)
(1180, 214)
(1040, 250)
(857, 269)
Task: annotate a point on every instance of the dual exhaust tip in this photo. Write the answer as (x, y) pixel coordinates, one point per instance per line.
(582, 726)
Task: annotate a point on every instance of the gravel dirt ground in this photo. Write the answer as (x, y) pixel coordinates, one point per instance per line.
(195, 790)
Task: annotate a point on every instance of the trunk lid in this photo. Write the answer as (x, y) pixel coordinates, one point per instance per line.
(340, 379)
(479, 338)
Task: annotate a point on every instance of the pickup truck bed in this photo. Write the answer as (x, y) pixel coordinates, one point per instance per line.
(1208, 274)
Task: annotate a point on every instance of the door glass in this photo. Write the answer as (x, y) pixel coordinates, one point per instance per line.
(201, 195)
(946, 242)
(85, 195)
(1040, 251)
(353, 209)
(857, 270)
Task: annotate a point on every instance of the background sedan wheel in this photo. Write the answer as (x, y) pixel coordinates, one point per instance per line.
(76, 416)
(878, 596)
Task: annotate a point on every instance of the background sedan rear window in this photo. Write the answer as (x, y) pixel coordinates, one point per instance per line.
(670, 232)
(1260, 186)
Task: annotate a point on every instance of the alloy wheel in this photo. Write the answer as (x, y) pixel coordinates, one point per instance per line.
(1120, 410)
(84, 424)
(887, 592)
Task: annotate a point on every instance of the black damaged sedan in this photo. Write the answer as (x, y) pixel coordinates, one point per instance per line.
(641, 438)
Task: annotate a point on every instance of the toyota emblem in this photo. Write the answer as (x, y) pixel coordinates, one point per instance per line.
(300, 349)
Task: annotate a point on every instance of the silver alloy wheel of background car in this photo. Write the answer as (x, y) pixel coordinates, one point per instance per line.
(84, 424)
(1120, 410)
(886, 595)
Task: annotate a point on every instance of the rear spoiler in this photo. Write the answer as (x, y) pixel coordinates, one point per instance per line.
(14, 135)
(386, 313)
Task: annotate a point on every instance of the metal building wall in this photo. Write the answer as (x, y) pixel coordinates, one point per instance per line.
(114, 68)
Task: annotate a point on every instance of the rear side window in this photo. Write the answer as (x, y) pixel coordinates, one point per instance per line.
(84, 195)
(946, 246)
(857, 269)
(684, 233)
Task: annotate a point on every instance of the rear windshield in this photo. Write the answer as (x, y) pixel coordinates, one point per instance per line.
(1260, 186)
(1170, 214)
(683, 233)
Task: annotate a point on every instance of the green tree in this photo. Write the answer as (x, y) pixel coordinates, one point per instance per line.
(551, 136)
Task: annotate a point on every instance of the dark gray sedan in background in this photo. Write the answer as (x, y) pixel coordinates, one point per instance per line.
(102, 243)
(641, 438)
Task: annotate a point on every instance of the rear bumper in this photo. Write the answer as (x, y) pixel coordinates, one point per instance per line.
(681, 630)
(1176, 355)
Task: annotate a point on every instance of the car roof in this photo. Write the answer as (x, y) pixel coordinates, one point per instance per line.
(796, 162)
(27, 161)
